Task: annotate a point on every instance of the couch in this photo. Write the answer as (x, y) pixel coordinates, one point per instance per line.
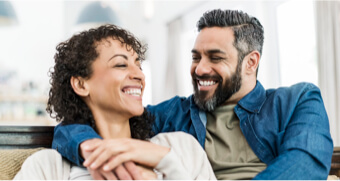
(19, 142)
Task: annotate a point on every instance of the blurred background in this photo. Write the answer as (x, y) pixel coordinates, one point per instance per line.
(301, 43)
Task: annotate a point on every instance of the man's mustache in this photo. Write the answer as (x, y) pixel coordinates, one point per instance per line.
(207, 77)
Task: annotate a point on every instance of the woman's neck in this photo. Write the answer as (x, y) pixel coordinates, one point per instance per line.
(112, 125)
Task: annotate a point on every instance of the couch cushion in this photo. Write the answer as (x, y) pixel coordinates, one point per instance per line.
(11, 161)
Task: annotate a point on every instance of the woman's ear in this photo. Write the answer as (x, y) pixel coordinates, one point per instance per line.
(79, 86)
(252, 62)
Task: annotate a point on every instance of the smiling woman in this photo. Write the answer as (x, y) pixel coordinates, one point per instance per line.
(114, 89)
(87, 78)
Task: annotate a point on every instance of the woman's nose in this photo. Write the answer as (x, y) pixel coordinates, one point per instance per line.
(137, 73)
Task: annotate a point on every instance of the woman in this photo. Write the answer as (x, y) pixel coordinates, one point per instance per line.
(97, 80)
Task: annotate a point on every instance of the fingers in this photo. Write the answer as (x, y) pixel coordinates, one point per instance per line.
(90, 145)
(101, 175)
(96, 175)
(86, 149)
(147, 173)
(89, 162)
(107, 150)
(117, 160)
(141, 152)
(108, 175)
(122, 173)
(101, 156)
(135, 173)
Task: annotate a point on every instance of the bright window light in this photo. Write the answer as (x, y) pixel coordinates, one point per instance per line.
(297, 42)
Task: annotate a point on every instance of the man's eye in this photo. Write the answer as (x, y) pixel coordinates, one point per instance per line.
(195, 58)
(216, 58)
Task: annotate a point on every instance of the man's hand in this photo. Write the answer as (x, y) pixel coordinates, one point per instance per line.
(126, 171)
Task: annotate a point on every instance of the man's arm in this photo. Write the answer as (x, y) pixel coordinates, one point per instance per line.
(306, 148)
(67, 139)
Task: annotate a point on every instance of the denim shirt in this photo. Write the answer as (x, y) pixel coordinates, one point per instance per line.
(287, 128)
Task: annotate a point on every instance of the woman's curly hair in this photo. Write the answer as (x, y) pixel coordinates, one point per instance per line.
(74, 57)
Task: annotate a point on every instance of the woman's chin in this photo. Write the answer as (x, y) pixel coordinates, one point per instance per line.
(138, 111)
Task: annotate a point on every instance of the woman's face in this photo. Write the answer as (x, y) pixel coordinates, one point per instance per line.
(117, 82)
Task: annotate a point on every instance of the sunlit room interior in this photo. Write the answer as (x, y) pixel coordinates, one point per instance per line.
(301, 39)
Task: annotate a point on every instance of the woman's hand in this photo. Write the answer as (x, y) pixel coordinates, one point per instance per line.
(146, 173)
(113, 152)
(126, 171)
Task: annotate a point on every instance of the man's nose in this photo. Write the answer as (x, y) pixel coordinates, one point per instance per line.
(203, 67)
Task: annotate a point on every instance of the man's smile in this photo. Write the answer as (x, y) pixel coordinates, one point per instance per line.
(206, 85)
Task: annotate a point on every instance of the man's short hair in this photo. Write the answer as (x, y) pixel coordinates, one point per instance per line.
(248, 31)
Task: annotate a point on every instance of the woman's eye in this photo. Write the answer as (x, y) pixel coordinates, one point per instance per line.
(121, 65)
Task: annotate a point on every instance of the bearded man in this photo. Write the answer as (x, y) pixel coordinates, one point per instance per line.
(247, 132)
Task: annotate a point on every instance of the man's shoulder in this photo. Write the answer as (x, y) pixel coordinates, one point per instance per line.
(297, 89)
(177, 102)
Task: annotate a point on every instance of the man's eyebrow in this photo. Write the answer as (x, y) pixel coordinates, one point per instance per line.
(194, 51)
(215, 51)
(118, 55)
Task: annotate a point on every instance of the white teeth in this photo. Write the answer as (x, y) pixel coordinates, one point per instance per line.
(134, 92)
(206, 83)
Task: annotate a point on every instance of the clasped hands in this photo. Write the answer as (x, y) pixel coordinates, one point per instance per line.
(121, 159)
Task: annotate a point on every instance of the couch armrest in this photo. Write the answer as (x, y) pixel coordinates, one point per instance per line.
(22, 137)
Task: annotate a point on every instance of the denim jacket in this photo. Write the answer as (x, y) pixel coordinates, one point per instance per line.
(287, 128)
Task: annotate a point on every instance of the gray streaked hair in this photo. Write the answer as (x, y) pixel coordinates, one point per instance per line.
(248, 31)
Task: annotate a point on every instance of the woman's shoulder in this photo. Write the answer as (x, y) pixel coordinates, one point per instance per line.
(171, 139)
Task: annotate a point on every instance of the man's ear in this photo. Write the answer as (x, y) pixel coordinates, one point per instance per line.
(252, 62)
(79, 86)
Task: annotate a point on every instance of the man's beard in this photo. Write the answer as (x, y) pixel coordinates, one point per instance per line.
(222, 92)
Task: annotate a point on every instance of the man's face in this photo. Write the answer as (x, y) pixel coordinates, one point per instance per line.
(216, 74)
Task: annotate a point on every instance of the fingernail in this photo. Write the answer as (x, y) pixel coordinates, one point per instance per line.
(85, 163)
(106, 168)
(93, 165)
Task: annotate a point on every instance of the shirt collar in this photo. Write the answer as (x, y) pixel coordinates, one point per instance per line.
(254, 100)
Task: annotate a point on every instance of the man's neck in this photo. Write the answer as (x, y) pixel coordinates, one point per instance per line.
(245, 89)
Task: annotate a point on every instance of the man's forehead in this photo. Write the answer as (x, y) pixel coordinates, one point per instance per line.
(215, 40)
(212, 47)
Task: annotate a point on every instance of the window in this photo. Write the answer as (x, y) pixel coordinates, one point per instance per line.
(297, 42)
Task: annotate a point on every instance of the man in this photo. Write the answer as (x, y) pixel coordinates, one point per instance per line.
(247, 131)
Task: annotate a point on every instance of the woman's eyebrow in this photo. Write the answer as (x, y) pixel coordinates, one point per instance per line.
(118, 55)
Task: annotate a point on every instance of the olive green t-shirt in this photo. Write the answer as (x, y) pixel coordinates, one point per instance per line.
(228, 151)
